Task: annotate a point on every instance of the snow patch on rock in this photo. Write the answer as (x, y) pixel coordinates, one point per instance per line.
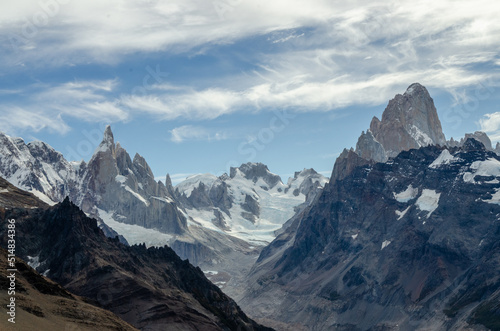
(34, 261)
(420, 137)
(401, 214)
(428, 201)
(407, 195)
(489, 167)
(444, 158)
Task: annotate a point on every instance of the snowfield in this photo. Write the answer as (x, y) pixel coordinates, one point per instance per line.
(407, 195)
(135, 234)
(489, 167)
(428, 201)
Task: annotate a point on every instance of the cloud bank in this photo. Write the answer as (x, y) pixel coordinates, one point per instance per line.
(325, 55)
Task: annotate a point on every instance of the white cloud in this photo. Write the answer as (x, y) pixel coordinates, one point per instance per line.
(205, 104)
(490, 123)
(106, 31)
(47, 107)
(348, 53)
(103, 30)
(15, 119)
(190, 132)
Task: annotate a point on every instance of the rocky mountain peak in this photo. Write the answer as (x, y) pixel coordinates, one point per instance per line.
(107, 143)
(479, 136)
(142, 166)
(472, 144)
(254, 171)
(409, 121)
(416, 89)
(347, 161)
(305, 172)
(108, 134)
(369, 148)
(168, 181)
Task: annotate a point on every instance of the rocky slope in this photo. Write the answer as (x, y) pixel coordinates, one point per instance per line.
(152, 289)
(412, 243)
(45, 304)
(409, 243)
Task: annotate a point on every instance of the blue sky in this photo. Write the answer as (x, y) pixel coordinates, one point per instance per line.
(198, 86)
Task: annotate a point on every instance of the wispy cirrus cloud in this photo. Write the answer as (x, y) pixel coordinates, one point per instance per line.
(329, 55)
(44, 106)
(191, 132)
(16, 118)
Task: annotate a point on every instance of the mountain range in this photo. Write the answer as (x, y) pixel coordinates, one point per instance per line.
(217, 223)
(404, 235)
(150, 288)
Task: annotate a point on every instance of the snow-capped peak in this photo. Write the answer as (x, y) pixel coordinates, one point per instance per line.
(187, 186)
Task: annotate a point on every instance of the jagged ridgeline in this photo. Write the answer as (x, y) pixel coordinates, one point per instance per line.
(152, 289)
(218, 223)
(405, 236)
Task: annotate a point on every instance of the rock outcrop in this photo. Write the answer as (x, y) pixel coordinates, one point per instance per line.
(408, 243)
(409, 121)
(110, 181)
(44, 305)
(152, 289)
(413, 242)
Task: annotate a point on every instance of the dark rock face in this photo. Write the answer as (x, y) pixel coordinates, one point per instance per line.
(46, 305)
(153, 289)
(408, 244)
(479, 136)
(252, 207)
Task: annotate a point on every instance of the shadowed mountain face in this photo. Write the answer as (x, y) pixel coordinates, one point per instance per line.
(12, 197)
(153, 289)
(46, 306)
(412, 242)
